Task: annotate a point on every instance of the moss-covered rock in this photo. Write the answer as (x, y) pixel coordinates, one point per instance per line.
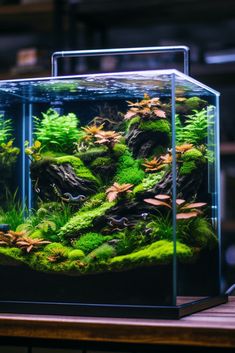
(80, 169)
(92, 153)
(160, 252)
(119, 149)
(193, 155)
(11, 256)
(187, 167)
(129, 170)
(101, 162)
(158, 125)
(76, 254)
(83, 220)
(132, 122)
(102, 253)
(90, 241)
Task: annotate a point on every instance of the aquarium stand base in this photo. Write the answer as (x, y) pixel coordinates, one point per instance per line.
(124, 311)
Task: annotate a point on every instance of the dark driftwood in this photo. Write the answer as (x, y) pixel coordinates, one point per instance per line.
(142, 143)
(51, 180)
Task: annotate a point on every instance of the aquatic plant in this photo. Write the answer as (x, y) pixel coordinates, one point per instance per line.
(161, 125)
(117, 190)
(91, 130)
(146, 108)
(34, 151)
(10, 238)
(195, 128)
(107, 138)
(13, 211)
(8, 153)
(184, 210)
(83, 220)
(76, 254)
(79, 167)
(90, 241)
(102, 253)
(159, 252)
(57, 132)
(6, 129)
(129, 169)
(58, 254)
(29, 244)
(158, 163)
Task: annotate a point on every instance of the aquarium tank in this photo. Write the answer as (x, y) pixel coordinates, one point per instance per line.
(109, 187)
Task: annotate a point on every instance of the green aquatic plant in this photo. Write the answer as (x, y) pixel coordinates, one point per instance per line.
(8, 153)
(76, 254)
(57, 132)
(56, 252)
(195, 128)
(13, 211)
(6, 129)
(83, 220)
(79, 168)
(129, 169)
(159, 252)
(102, 253)
(34, 151)
(90, 241)
(161, 125)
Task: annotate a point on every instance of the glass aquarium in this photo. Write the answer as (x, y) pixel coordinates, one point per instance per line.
(109, 187)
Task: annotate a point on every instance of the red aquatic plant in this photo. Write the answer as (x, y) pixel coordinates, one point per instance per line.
(146, 108)
(184, 210)
(116, 190)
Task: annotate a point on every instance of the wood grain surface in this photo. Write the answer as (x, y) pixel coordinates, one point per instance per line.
(214, 327)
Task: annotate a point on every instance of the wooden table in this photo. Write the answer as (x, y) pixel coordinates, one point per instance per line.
(214, 327)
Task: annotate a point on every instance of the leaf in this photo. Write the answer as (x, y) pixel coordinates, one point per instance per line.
(159, 113)
(162, 197)
(37, 144)
(112, 196)
(186, 215)
(129, 115)
(179, 201)
(157, 202)
(194, 205)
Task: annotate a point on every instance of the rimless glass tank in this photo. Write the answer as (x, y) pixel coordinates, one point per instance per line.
(109, 188)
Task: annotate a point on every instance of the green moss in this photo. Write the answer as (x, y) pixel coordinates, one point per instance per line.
(83, 220)
(160, 125)
(132, 122)
(101, 162)
(94, 201)
(138, 188)
(192, 154)
(129, 170)
(160, 252)
(195, 103)
(76, 254)
(119, 149)
(199, 233)
(187, 167)
(55, 246)
(80, 170)
(8, 255)
(92, 153)
(102, 253)
(90, 241)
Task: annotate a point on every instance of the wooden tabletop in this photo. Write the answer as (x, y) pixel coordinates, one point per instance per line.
(214, 327)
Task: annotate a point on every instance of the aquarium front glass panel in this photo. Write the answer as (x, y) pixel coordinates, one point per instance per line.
(109, 189)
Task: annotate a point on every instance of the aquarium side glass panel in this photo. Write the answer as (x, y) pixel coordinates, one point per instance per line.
(197, 194)
(99, 181)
